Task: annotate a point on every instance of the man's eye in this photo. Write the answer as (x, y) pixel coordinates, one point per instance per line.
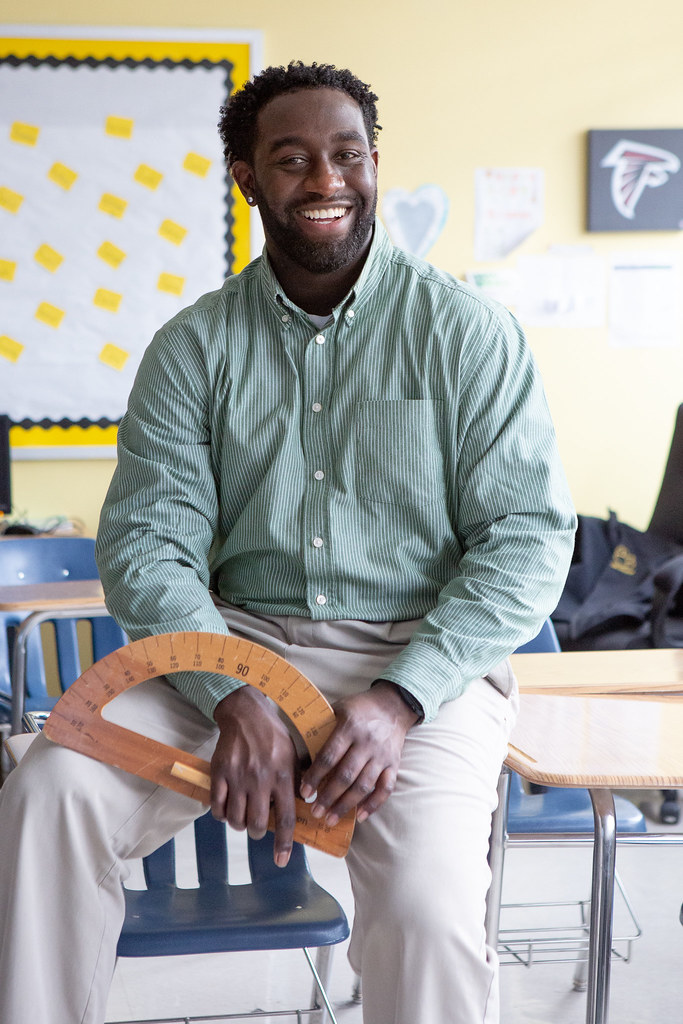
(292, 160)
(349, 154)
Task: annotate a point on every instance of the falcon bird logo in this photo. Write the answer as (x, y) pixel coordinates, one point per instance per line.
(635, 168)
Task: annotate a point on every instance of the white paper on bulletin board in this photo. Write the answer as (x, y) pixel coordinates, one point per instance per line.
(644, 300)
(563, 287)
(115, 213)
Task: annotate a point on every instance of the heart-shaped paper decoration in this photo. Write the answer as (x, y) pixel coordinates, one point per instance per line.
(415, 219)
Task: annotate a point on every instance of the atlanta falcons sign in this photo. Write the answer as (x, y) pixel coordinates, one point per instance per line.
(625, 169)
(637, 167)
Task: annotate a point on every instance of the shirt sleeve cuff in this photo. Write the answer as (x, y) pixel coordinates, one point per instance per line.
(427, 675)
(204, 689)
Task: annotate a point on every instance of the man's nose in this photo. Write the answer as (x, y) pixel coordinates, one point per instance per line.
(324, 178)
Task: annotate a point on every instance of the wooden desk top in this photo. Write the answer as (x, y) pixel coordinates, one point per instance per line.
(42, 596)
(601, 672)
(595, 741)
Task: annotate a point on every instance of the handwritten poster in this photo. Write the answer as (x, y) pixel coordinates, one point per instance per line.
(508, 208)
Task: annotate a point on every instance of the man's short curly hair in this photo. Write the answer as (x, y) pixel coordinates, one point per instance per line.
(237, 124)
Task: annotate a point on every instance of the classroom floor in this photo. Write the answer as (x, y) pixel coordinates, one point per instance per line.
(647, 989)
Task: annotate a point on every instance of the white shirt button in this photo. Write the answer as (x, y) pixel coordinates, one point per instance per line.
(321, 599)
(316, 407)
(319, 475)
(317, 542)
(320, 339)
(350, 314)
(286, 318)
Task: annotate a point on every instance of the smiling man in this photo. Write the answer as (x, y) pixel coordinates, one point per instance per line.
(318, 212)
(344, 455)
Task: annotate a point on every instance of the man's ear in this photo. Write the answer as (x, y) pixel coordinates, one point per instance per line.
(244, 177)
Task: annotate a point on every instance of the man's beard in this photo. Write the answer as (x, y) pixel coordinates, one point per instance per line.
(323, 257)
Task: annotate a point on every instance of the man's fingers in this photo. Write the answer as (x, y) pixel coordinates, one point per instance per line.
(384, 787)
(284, 814)
(219, 797)
(325, 761)
(349, 785)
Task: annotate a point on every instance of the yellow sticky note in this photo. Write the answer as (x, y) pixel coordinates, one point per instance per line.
(121, 127)
(7, 270)
(147, 176)
(48, 258)
(62, 175)
(171, 283)
(9, 348)
(107, 300)
(27, 134)
(113, 205)
(172, 232)
(111, 254)
(197, 164)
(49, 314)
(10, 200)
(112, 355)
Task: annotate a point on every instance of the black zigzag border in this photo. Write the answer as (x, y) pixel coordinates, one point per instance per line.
(65, 423)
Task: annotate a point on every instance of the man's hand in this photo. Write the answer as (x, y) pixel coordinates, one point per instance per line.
(358, 764)
(254, 766)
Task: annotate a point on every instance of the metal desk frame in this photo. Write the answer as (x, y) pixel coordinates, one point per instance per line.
(604, 842)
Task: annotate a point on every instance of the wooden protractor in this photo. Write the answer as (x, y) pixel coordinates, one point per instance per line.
(76, 720)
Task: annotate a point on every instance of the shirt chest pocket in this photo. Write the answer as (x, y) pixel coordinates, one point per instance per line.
(398, 453)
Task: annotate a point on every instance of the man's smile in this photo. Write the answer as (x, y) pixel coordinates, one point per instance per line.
(331, 213)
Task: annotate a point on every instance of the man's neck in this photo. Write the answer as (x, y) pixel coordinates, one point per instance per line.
(316, 293)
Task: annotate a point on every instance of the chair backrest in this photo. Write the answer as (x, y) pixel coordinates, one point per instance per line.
(29, 560)
(275, 908)
(667, 517)
(46, 559)
(545, 641)
(211, 852)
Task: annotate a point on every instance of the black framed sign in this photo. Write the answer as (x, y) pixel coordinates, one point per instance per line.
(635, 180)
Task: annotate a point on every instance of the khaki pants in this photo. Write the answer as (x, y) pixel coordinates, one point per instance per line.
(418, 867)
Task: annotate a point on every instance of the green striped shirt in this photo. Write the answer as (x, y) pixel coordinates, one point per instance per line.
(398, 463)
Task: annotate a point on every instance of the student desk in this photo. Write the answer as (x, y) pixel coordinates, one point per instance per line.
(42, 601)
(601, 720)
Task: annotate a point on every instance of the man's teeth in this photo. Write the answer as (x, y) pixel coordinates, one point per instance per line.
(335, 212)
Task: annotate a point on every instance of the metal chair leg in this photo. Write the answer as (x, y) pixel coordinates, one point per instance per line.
(321, 976)
(602, 905)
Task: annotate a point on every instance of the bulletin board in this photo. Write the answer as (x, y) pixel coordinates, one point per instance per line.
(116, 212)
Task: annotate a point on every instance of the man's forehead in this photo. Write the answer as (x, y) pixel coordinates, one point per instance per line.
(292, 117)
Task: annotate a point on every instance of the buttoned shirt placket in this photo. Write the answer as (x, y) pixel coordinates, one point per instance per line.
(312, 353)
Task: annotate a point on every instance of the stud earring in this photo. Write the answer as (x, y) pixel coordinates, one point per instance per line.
(251, 200)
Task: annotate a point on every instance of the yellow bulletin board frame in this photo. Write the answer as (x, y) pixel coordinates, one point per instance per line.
(243, 49)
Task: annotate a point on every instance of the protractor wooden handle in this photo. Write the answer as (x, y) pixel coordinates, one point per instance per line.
(76, 720)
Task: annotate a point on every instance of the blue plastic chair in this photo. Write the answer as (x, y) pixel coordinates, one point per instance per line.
(29, 560)
(281, 908)
(545, 641)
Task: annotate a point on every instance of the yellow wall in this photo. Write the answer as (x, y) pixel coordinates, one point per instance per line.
(464, 85)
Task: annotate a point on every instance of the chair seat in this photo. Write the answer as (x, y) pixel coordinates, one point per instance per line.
(565, 810)
(272, 914)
